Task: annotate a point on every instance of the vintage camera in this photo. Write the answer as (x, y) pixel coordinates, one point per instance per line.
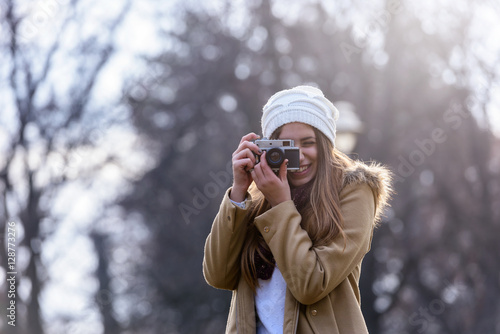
(277, 151)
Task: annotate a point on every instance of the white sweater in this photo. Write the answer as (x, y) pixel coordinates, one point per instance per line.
(270, 304)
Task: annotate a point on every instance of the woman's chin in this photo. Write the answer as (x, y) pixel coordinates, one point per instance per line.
(297, 179)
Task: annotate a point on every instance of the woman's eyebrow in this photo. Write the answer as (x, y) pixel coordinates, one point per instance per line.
(307, 138)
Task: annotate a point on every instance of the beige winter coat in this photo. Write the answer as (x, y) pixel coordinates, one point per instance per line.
(322, 282)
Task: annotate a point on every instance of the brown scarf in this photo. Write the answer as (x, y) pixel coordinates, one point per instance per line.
(300, 195)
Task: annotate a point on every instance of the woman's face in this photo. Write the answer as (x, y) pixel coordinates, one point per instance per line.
(305, 139)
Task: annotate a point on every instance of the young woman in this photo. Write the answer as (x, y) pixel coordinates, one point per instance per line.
(290, 244)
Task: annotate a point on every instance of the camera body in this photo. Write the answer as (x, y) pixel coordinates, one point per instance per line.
(277, 150)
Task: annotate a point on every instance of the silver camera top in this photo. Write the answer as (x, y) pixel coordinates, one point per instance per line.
(270, 143)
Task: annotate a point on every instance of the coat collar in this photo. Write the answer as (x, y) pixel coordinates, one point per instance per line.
(375, 175)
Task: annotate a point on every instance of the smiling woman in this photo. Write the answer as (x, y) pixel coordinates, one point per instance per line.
(305, 138)
(289, 244)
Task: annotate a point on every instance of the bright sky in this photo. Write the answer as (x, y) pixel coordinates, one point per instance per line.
(68, 253)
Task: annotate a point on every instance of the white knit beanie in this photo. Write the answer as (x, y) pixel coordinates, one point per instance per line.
(304, 104)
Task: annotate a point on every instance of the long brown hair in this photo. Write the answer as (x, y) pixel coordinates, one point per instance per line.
(321, 216)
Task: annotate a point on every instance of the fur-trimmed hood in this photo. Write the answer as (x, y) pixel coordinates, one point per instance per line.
(378, 177)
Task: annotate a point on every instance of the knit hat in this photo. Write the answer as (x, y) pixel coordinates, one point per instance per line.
(305, 104)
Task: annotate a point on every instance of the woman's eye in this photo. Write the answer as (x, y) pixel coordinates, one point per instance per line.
(309, 143)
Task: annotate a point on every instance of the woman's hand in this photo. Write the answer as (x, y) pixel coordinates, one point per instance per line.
(274, 187)
(243, 162)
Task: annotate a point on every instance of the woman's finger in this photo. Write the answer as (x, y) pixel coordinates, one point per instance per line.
(247, 145)
(257, 173)
(266, 170)
(283, 171)
(243, 164)
(249, 137)
(255, 177)
(246, 153)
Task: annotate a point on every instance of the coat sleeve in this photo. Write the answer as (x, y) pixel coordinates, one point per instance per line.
(310, 272)
(221, 261)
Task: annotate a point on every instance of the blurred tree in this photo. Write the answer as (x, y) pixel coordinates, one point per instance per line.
(191, 113)
(447, 190)
(389, 59)
(47, 129)
(104, 296)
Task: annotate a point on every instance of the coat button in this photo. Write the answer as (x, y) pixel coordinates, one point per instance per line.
(266, 229)
(314, 312)
(229, 218)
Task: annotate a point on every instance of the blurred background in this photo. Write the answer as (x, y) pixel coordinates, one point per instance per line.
(118, 120)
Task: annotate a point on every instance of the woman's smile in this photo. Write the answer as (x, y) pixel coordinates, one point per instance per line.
(300, 170)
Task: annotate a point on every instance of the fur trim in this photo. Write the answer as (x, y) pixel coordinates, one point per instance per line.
(378, 177)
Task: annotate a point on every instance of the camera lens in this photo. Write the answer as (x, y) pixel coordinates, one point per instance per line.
(275, 157)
